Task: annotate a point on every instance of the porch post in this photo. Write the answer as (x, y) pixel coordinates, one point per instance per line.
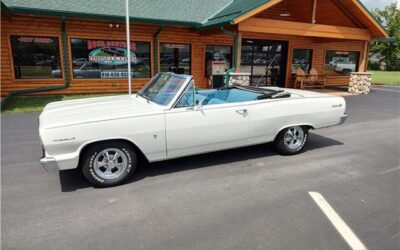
(239, 51)
(364, 58)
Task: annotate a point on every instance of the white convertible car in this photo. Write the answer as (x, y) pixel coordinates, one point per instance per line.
(170, 118)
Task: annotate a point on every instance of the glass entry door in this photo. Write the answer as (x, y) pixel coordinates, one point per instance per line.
(265, 60)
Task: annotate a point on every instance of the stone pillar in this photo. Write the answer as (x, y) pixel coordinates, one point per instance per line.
(360, 83)
(241, 79)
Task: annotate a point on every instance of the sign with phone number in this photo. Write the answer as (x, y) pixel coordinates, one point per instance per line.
(112, 74)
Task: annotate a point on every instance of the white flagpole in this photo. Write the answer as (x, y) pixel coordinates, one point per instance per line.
(128, 45)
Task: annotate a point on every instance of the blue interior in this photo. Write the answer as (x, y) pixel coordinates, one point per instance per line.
(220, 96)
(209, 97)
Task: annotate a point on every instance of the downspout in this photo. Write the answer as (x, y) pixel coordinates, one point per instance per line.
(67, 83)
(155, 48)
(235, 53)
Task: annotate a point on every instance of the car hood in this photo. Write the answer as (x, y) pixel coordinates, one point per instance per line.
(66, 113)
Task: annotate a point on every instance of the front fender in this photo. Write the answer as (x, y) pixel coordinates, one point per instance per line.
(65, 144)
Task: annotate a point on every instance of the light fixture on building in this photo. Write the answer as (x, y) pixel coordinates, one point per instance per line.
(285, 13)
(112, 25)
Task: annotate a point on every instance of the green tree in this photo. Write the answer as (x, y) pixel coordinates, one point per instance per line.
(389, 51)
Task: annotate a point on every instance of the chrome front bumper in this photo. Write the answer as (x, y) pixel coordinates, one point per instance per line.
(49, 163)
(343, 118)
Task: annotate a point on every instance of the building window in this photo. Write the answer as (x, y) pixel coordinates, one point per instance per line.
(265, 60)
(108, 59)
(217, 53)
(175, 58)
(341, 62)
(302, 59)
(36, 57)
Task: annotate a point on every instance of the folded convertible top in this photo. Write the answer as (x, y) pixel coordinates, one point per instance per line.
(265, 93)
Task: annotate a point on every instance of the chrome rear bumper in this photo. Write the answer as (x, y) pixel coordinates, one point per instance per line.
(49, 163)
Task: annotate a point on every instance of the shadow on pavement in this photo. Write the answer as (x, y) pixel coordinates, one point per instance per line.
(72, 180)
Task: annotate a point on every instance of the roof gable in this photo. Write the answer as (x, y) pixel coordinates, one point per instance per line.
(240, 10)
(327, 12)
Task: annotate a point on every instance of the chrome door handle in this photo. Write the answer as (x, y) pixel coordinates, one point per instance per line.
(242, 112)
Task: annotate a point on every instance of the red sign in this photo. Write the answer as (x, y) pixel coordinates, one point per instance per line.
(25, 39)
(93, 44)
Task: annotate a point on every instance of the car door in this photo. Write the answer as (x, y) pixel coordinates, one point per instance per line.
(192, 129)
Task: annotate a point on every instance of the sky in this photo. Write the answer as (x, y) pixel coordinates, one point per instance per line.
(372, 4)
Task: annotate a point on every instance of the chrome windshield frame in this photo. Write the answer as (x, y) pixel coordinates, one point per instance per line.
(188, 79)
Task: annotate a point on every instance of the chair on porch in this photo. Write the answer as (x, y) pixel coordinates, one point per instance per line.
(311, 80)
(300, 76)
(314, 80)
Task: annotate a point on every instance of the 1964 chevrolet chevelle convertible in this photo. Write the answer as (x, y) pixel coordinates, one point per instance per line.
(170, 118)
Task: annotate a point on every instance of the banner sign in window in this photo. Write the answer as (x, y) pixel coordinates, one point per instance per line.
(109, 58)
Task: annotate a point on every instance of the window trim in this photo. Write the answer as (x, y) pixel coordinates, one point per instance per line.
(204, 56)
(159, 53)
(334, 49)
(61, 54)
(183, 93)
(300, 48)
(70, 61)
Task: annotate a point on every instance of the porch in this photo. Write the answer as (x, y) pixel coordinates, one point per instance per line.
(330, 37)
(272, 54)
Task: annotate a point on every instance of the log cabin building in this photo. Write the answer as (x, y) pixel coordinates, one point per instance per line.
(71, 47)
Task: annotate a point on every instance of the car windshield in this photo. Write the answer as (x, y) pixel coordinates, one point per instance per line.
(162, 88)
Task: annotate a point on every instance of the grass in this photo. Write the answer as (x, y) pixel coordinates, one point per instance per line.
(22, 104)
(386, 77)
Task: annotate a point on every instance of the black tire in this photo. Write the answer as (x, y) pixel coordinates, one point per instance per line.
(92, 155)
(283, 148)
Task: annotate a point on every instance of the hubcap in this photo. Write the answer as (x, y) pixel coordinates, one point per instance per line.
(110, 163)
(294, 137)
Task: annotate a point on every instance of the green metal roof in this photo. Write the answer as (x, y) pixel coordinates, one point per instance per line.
(235, 9)
(191, 12)
(200, 14)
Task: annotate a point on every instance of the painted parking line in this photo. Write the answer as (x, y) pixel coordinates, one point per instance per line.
(390, 90)
(390, 170)
(345, 231)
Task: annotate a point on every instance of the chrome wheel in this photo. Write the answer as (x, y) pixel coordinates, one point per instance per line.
(110, 163)
(294, 138)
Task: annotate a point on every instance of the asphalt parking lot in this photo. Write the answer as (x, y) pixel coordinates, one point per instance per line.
(249, 198)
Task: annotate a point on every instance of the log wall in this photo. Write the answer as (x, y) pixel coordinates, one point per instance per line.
(83, 28)
(93, 29)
